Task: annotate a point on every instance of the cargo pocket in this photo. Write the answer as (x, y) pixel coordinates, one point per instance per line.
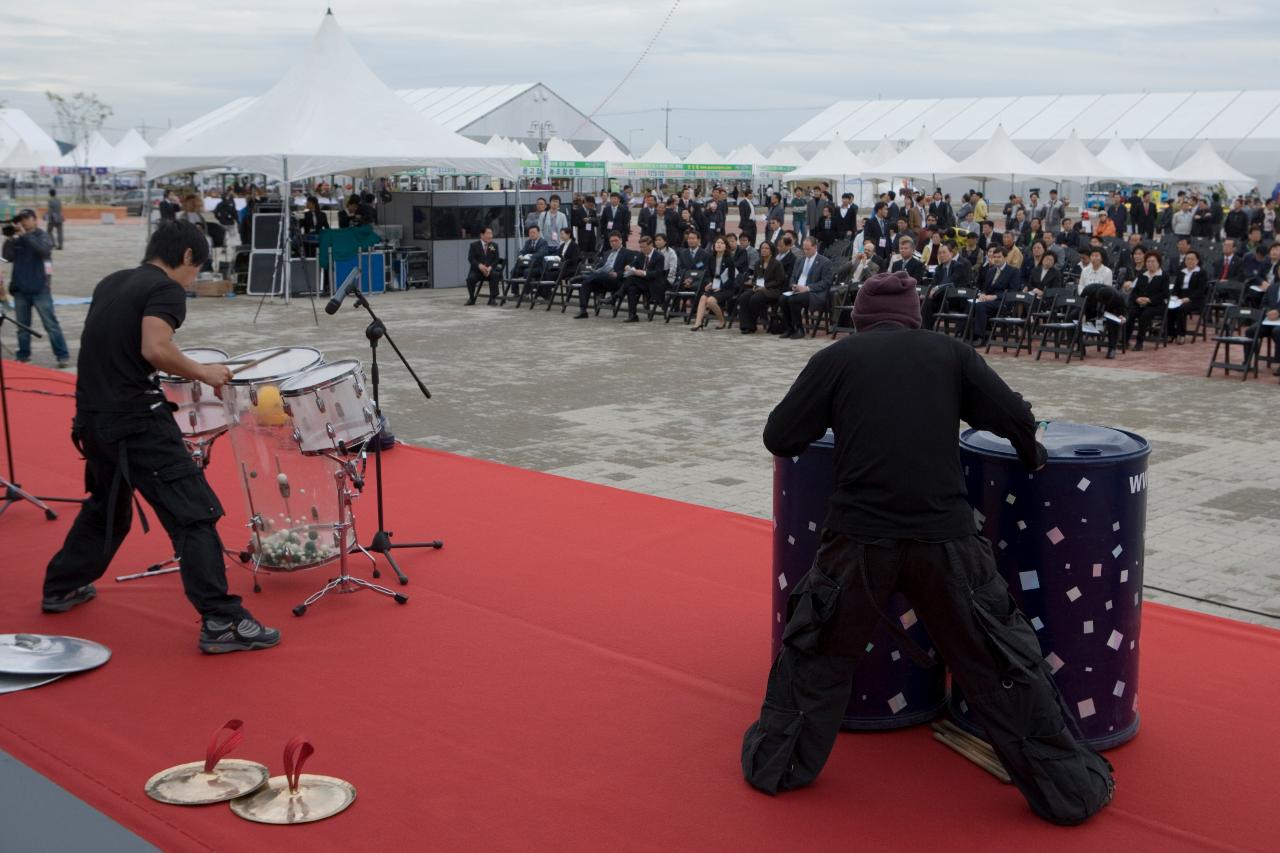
(1072, 782)
(769, 746)
(813, 603)
(184, 494)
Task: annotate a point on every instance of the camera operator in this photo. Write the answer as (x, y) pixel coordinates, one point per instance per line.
(28, 247)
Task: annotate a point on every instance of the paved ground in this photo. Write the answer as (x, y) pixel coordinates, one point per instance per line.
(655, 409)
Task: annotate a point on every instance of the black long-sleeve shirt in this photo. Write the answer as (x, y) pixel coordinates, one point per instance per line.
(895, 398)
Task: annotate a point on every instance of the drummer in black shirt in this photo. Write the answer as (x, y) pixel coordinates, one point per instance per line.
(126, 432)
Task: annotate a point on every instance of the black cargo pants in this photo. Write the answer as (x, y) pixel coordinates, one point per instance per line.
(988, 644)
(143, 452)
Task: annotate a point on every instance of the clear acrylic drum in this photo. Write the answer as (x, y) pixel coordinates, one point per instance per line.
(292, 499)
(331, 411)
(200, 413)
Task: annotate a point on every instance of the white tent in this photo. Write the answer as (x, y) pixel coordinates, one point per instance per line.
(558, 149)
(1204, 166)
(834, 161)
(1116, 156)
(658, 153)
(131, 152)
(921, 158)
(608, 152)
(704, 154)
(519, 149)
(1144, 166)
(329, 114)
(786, 158)
(996, 159)
(94, 153)
(23, 145)
(1074, 162)
(747, 155)
(882, 153)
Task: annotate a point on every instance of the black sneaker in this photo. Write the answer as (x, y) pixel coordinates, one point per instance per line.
(63, 603)
(221, 635)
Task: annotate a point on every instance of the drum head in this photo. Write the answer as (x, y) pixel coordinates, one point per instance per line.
(14, 683)
(320, 375)
(278, 363)
(41, 654)
(200, 355)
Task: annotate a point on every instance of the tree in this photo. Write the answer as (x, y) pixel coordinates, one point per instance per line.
(80, 116)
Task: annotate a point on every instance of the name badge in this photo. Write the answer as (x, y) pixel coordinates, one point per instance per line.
(760, 281)
(883, 242)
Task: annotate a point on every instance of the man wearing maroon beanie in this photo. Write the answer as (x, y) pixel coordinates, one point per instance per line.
(900, 521)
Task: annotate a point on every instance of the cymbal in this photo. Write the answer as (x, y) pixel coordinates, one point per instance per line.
(315, 798)
(14, 683)
(43, 654)
(190, 785)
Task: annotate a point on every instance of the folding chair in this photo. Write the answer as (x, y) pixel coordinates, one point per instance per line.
(1060, 331)
(519, 276)
(956, 317)
(1235, 323)
(548, 283)
(680, 303)
(842, 310)
(1222, 295)
(1013, 320)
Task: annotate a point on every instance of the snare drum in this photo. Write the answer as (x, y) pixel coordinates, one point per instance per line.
(200, 413)
(292, 499)
(329, 407)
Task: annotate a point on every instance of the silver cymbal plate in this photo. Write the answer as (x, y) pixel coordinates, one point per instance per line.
(44, 654)
(14, 683)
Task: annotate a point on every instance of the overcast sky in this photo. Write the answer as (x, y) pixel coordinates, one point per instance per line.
(165, 63)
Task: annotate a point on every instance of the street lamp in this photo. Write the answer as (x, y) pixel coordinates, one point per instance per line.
(543, 130)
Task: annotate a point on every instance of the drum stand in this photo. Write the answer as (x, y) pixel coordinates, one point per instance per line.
(344, 582)
(10, 491)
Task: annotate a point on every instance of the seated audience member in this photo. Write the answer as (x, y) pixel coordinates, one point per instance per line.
(606, 277)
(1012, 254)
(810, 280)
(768, 281)
(1270, 305)
(529, 261)
(644, 276)
(1188, 287)
(719, 285)
(951, 271)
(744, 256)
(670, 259)
(1031, 262)
(1147, 299)
(1045, 276)
(787, 254)
(972, 252)
(1231, 267)
(907, 259)
(867, 263)
(485, 265)
(1105, 227)
(998, 278)
(1129, 270)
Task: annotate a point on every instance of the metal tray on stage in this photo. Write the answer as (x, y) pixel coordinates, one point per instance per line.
(14, 683)
(44, 654)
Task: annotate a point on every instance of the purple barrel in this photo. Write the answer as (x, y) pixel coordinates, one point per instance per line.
(1069, 542)
(889, 690)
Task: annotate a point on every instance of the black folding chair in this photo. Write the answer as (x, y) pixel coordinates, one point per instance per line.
(546, 284)
(1060, 331)
(1222, 295)
(956, 315)
(1012, 322)
(1236, 324)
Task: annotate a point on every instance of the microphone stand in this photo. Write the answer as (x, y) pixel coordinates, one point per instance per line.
(381, 543)
(12, 491)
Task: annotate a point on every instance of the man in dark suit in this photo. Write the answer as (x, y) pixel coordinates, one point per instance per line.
(648, 217)
(615, 216)
(952, 271)
(907, 259)
(1231, 267)
(1118, 214)
(605, 278)
(1271, 311)
(877, 230)
(669, 215)
(998, 278)
(693, 264)
(1143, 214)
(810, 281)
(486, 265)
(529, 261)
(941, 211)
(846, 218)
(647, 274)
(713, 223)
(747, 217)
(786, 253)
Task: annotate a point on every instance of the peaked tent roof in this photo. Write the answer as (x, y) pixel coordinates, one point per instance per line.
(1205, 166)
(1115, 155)
(298, 127)
(1073, 161)
(834, 161)
(922, 157)
(787, 156)
(95, 153)
(748, 155)
(23, 144)
(608, 152)
(884, 151)
(706, 155)
(131, 152)
(997, 158)
(658, 153)
(558, 149)
(1145, 166)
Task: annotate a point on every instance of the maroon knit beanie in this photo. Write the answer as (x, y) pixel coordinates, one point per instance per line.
(887, 297)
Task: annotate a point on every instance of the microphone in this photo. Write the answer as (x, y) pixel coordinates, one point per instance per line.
(339, 296)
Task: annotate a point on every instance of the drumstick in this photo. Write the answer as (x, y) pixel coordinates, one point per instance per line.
(246, 365)
(972, 748)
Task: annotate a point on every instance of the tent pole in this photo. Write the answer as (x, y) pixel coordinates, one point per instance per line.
(146, 206)
(286, 193)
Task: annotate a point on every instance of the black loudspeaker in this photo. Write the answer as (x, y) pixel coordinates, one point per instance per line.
(266, 276)
(266, 232)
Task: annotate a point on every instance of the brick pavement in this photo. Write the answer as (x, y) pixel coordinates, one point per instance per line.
(655, 409)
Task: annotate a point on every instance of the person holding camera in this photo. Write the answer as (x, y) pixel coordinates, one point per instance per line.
(28, 247)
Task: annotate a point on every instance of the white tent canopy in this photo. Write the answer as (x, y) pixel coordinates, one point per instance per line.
(131, 152)
(558, 149)
(94, 153)
(834, 161)
(1143, 164)
(882, 153)
(1074, 162)
(1117, 157)
(787, 156)
(704, 154)
(1204, 166)
(747, 155)
(921, 158)
(23, 145)
(996, 159)
(658, 153)
(330, 114)
(608, 152)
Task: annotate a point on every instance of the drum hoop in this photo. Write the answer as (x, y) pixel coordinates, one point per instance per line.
(354, 368)
(279, 377)
(175, 379)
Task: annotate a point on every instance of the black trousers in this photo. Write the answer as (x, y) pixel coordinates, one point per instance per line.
(1141, 317)
(597, 283)
(1100, 298)
(55, 231)
(753, 305)
(796, 303)
(474, 281)
(988, 644)
(633, 288)
(143, 452)
(747, 229)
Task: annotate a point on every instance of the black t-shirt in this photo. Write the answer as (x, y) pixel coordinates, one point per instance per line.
(113, 375)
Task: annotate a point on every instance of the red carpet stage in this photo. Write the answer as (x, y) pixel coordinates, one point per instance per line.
(574, 672)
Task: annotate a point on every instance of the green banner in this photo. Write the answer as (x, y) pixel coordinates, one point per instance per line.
(727, 171)
(563, 169)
